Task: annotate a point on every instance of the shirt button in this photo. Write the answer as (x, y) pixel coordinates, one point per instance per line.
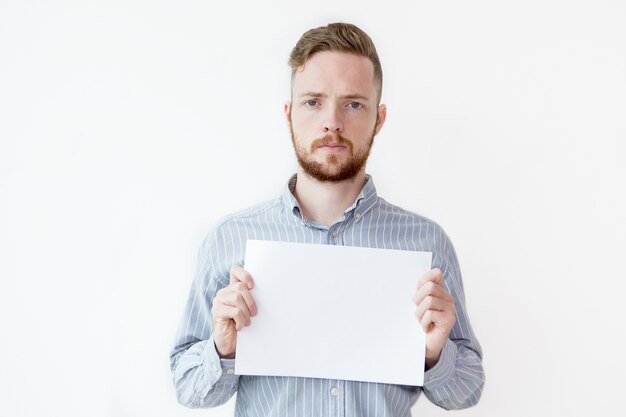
(214, 367)
(334, 233)
(334, 391)
(357, 215)
(230, 371)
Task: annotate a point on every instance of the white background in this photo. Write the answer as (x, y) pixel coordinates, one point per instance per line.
(127, 128)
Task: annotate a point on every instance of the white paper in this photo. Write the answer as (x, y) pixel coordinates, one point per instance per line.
(335, 312)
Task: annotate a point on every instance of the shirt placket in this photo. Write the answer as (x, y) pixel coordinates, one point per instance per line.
(335, 234)
(337, 398)
(337, 388)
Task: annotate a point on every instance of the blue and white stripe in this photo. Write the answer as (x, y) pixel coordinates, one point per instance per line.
(202, 379)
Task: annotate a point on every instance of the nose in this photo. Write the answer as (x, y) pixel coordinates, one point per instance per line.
(332, 120)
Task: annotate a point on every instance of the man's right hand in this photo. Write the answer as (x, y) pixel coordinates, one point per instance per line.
(233, 306)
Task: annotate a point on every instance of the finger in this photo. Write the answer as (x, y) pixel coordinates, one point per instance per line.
(249, 300)
(243, 290)
(432, 303)
(238, 274)
(434, 275)
(443, 320)
(230, 295)
(234, 298)
(226, 312)
(431, 289)
(433, 318)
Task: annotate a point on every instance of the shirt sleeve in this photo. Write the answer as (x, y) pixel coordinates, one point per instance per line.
(200, 377)
(457, 380)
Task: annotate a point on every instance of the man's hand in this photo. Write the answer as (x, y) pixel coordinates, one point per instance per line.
(436, 313)
(233, 306)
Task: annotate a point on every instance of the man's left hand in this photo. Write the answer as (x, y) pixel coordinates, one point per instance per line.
(435, 312)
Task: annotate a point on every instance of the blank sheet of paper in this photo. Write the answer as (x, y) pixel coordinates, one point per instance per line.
(335, 312)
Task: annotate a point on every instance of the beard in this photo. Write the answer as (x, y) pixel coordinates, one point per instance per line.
(332, 170)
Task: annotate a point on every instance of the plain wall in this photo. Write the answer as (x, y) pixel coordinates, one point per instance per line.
(127, 128)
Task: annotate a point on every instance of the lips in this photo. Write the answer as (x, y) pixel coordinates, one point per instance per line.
(331, 143)
(333, 148)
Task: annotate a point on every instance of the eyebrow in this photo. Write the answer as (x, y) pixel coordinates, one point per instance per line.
(345, 96)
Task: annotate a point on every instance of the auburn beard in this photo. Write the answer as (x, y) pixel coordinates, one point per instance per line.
(332, 170)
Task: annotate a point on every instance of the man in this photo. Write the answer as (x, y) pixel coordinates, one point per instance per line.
(334, 115)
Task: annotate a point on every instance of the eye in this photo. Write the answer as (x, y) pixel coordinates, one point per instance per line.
(355, 105)
(310, 103)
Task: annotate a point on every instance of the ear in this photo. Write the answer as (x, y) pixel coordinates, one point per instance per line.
(287, 110)
(380, 120)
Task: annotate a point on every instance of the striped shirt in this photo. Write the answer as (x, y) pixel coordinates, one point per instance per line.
(202, 379)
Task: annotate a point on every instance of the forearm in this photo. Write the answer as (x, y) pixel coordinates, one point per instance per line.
(201, 378)
(457, 380)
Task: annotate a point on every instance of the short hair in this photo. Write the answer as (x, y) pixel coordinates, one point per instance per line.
(337, 37)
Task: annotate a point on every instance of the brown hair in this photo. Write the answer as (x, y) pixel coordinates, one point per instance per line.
(336, 37)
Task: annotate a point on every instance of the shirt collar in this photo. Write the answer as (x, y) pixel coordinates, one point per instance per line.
(363, 203)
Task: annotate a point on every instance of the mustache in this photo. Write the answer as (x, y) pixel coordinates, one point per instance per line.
(331, 139)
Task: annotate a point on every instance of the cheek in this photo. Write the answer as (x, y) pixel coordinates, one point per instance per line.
(359, 128)
(304, 130)
(304, 120)
(361, 121)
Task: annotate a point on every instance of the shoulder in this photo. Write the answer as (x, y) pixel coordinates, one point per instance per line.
(409, 217)
(245, 218)
(428, 235)
(223, 245)
(421, 231)
(251, 213)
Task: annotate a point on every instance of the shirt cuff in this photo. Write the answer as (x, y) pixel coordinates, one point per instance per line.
(444, 369)
(216, 367)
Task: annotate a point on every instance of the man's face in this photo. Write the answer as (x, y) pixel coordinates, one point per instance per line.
(333, 116)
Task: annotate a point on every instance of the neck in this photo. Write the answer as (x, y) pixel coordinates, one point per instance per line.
(325, 202)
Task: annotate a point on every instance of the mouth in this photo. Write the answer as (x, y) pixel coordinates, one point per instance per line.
(333, 144)
(332, 147)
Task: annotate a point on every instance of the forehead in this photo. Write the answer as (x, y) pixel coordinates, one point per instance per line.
(335, 71)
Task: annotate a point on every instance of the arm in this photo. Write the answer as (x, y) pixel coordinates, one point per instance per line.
(201, 363)
(454, 378)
